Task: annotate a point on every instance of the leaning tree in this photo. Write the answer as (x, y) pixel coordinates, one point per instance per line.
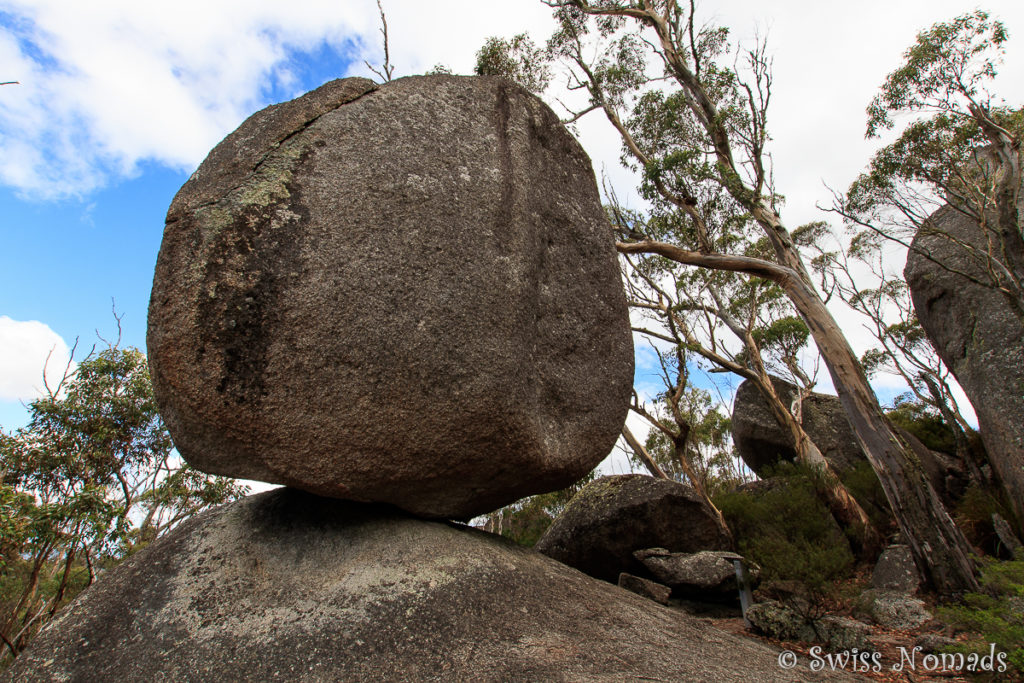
(699, 121)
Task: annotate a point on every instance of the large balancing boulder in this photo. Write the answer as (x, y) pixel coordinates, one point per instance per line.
(977, 335)
(612, 517)
(404, 293)
(289, 586)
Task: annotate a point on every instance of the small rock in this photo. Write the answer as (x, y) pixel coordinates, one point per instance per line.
(896, 610)
(782, 622)
(645, 587)
(895, 571)
(934, 642)
(842, 633)
(778, 621)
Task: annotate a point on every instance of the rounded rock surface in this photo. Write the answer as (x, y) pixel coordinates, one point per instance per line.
(288, 586)
(404, 293)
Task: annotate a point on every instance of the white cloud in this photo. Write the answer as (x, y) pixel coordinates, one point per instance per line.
(24, 348)
(106, 85)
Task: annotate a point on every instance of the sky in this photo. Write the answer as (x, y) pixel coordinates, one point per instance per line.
(118, 101)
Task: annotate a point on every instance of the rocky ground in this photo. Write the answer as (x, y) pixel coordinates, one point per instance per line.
(888, 642)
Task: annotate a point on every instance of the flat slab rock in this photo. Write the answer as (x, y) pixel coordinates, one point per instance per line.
(710, 571)
(288, 586)
(405, 293)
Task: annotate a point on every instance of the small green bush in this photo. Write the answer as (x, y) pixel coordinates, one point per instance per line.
(973, 515)
(787, 531)
(995, 615)
(863, 485)
(923, 422)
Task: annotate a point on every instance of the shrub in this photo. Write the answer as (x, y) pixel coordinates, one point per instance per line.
(862, 483)
(974, 516)
(995, 615)
(786, 530)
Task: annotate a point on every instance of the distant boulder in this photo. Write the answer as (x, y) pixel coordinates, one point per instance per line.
(978, 337)
(763, 443)
(289, 586)
(611, 517)
(404, 293)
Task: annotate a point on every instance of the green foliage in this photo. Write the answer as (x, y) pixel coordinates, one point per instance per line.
(974, 512)
(862, 483)
(924, 422)
(517, 59)
(949, 63)
(790, 534)
(91, 478)
(784, 336)
(995, 615)
(959, 152)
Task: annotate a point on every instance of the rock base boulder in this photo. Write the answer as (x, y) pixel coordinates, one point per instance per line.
(288, 586)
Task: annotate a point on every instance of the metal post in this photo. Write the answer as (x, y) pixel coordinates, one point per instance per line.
(743, 582)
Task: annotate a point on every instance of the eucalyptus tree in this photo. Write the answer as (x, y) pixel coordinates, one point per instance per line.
(964, 150)
(699, 125)
(960, 154)
(92, 477)
(729, 322)
(903, 348)
(734, 322)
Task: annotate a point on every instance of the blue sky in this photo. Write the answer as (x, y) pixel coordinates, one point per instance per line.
(118, 103)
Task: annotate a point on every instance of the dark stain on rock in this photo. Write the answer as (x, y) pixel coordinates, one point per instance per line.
(240, 319)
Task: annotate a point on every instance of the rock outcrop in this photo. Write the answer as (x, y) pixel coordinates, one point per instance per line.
(614, 516)
(286, 585)
(978, 337)
(404, 293)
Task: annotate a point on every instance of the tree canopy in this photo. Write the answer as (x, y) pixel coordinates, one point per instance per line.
(90, 479)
